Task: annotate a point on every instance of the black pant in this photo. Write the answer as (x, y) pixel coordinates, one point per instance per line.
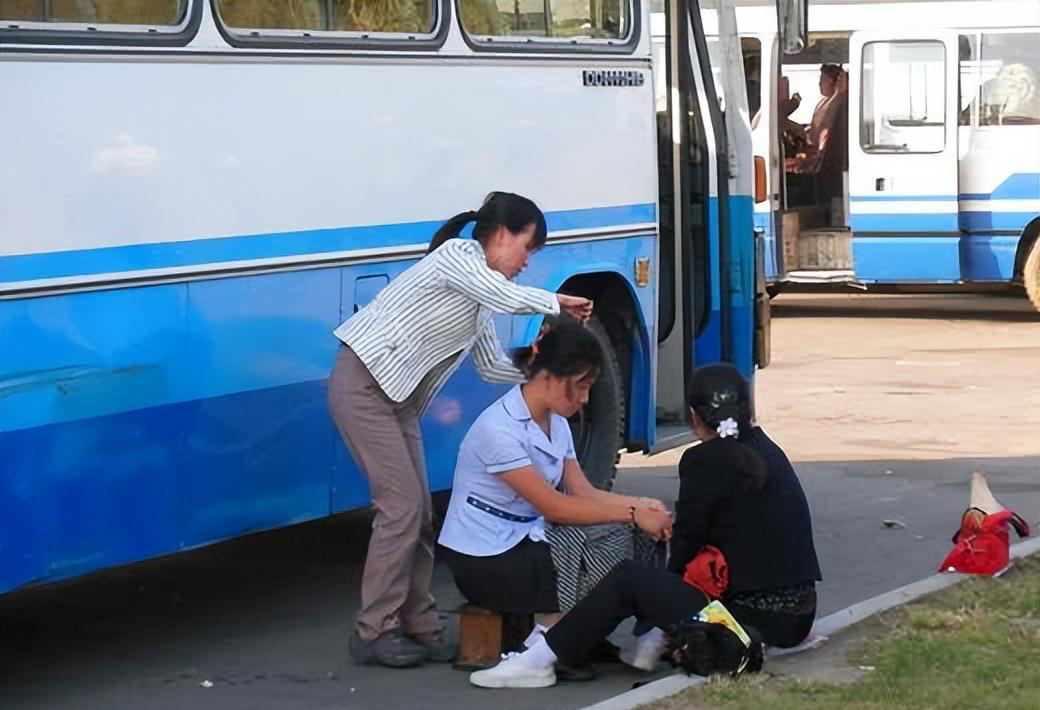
(653, 595)
(656, 597)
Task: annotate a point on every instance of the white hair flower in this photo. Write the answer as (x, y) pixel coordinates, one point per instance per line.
(727, 428)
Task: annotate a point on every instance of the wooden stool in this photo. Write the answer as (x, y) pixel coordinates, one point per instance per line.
(485, 634)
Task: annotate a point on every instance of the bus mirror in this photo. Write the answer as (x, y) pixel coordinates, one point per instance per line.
(794, 24)
(760, 179)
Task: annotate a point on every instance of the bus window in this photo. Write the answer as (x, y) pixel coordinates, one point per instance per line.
(904, 97)
(1009, 94)
(336, 16)
(106, 12)
(570, 19)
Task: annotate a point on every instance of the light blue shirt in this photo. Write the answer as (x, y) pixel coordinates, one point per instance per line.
(486, 516)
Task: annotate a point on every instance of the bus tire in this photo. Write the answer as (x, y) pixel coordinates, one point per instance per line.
(1031, 274)
(599, 426)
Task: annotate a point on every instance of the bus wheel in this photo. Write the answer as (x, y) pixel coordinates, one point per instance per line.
(597, 428)
(1031, 274)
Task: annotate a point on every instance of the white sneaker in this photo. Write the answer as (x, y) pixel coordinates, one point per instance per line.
(647, 650)
(514, 672)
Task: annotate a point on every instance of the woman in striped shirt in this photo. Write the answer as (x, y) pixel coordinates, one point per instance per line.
(397, 353)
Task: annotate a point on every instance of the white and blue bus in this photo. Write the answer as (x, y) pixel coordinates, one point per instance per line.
(942, 184)
(194, 193)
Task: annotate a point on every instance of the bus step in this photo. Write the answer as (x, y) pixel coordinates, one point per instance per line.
(829, 249)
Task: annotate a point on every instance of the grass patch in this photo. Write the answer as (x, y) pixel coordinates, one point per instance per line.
(973, 646)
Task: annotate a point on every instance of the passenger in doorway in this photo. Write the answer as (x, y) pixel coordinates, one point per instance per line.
(827, 152)
(738, 494)
(525, 531)
(396, 354)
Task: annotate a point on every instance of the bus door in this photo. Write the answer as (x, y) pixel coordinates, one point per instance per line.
(903, 182)
(692, 318)
(762, 54)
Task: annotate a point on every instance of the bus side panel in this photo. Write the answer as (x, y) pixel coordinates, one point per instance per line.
(257, 461)
(82, 486)
(999, 196)
(906, 259)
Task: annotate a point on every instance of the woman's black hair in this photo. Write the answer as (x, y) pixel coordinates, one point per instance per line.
(565, 349)
(719, 393)
(500, 209)
(833, 71)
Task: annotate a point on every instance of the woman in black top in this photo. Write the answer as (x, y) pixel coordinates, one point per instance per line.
(737, 492)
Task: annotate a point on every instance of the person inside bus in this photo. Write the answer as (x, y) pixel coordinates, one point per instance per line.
(827, 152)
(525, 531)
(396, 354)
(740, 507)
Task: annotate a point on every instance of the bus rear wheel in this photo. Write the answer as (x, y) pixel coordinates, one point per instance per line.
(598, 427)
(1031, 274)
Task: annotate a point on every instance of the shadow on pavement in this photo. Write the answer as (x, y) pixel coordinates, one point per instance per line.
(987, 307)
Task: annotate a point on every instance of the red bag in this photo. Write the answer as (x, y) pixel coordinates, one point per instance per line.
(708, 572)
(982, 544)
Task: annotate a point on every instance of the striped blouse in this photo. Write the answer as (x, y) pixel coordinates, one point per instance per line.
(435, 313)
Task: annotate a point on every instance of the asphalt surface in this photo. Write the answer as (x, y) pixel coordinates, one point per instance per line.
(262, 622)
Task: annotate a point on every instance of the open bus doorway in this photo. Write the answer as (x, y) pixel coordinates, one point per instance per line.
(813, 138)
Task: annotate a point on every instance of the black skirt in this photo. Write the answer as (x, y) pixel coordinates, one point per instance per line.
(521, 580)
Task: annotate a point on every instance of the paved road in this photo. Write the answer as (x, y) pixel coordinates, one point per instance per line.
(265, 619)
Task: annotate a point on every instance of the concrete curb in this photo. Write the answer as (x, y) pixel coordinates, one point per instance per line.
(827, 626)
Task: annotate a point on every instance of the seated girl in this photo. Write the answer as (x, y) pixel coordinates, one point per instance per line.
(738, 493)
(518, 487)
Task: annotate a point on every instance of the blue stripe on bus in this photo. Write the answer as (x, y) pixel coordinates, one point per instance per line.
(137, 257)
(80, 355)
(953, 259)
(915, 222)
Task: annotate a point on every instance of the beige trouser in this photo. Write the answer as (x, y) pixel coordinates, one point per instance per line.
(386, 443)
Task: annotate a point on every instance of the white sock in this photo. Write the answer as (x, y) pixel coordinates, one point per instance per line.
(535, 634)
(654, 638)
(538, 654)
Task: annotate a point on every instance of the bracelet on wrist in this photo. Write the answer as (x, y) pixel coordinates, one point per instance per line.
(632, 515)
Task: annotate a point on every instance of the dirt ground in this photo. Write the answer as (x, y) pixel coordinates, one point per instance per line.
(866, 377)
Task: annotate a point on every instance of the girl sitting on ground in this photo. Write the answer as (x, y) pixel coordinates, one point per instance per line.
(739, 494)
(518, 534)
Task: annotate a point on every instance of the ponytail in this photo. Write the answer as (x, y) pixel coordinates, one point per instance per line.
(451, 229)
(721, 399)
(500, 209)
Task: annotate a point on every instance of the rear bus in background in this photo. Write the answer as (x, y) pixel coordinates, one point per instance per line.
(941, 148)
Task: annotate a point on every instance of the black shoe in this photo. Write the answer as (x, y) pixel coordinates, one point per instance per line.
(393, 649)
(438, 649)
(568, 672)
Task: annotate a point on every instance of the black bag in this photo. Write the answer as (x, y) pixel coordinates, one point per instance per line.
(705, 649)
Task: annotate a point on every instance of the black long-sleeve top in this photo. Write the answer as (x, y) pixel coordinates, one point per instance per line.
(766, 536)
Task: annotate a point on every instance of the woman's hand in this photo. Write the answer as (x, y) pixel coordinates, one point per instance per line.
(655, 523)
(575, 306)
(650, 504)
